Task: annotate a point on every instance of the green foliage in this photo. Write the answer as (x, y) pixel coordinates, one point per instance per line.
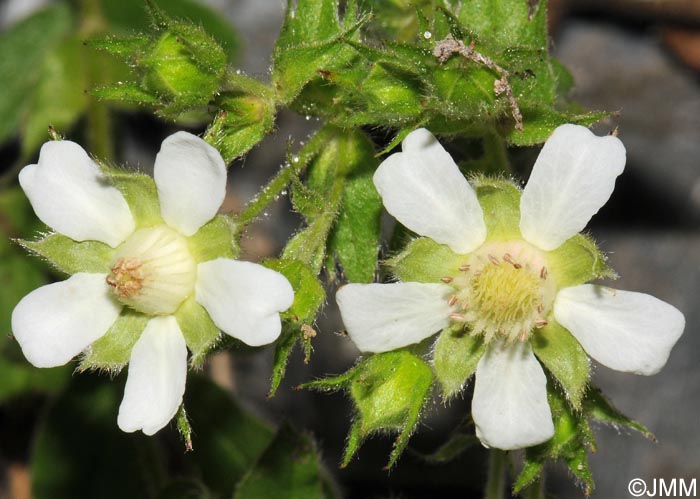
(389, 390)
(577, 261)
(215, 239)
(70, 257)
(23, 49)
(227, 440)
(121, 465)
(112, 351)
(559, 351)
(290, 467)
(455, 358)
(500, 202)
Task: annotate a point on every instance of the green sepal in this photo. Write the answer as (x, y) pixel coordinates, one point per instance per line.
(290, 467)
(599, 408)
(424, 260)
(71, 257)
(565, 359)
(389, 391)
(500, 202)
(198, 329)
(184, 428)
(539, 123)
(127, 92)
(244, 120)
(291, 333)
(309, 294)
(577, 261)
(113, 350)
(140, 193)
(215, 239)
(571, 441)
(120, 46)
(455, 357)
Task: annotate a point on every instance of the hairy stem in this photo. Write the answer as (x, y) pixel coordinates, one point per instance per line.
(496, 482)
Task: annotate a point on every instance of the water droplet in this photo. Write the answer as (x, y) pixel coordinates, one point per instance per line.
(295, 159)
(308, 117)
(427, 35)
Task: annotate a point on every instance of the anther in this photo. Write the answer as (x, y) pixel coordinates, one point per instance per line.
(494, 260)
(458, 317)
(540, 323)
(540, 308)
(543, 273)
(523, 335)
(463, 268)
(447, 279)
(453, 300)
(510, 260)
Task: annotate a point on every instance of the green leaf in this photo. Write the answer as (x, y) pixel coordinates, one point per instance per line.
(71, 257)
(455, 358)
(227, 440)
(140, 193)
(424, 260)
(199, 330)
(562, 354)
(215, 239)
(600, 409)
(22, 51)
(577, 261)
(309, 294)
(289, 468)
(112, 351)
(59, 97)
(122, 465)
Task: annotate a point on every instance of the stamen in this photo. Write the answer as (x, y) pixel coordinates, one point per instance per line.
(447, 279)
(510, 260)
(453, 300)
(540, 308)
(540, 323)
(494, 260)
(464, 268)
(458, 317)
(543, 273)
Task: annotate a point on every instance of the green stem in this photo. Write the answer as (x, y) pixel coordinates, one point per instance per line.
(496, 483)
(496, 152)
(280, 181)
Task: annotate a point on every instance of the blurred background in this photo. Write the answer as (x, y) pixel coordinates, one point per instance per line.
(640, 58)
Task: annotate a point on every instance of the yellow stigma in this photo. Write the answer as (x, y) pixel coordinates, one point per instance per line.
(503, 290)
(153, 271)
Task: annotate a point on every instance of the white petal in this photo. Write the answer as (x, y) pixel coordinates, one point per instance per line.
(244, 299)
(423, 188)
(383, 317)
(572, 179)
(623, 330)
(156, 381)
(191, 179)
(70, 194)
(510, 407)
(56, 322)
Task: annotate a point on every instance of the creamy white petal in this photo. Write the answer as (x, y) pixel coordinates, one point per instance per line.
(56, 322)
(71, 195)
(424, 190)
(572, 179)
(623, 330)
(510, 407)
(383, 317)
(156, 380)
(191, 179)
(243, 298)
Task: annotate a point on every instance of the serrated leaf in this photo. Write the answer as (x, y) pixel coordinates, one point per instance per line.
(215, 239)
(290, 467)
(22, 51)
(71, 257)
(113, 350)
(199, 330)
(59, 97)
(227, 440)
(455, 357)
(424, 260)
(559, 351)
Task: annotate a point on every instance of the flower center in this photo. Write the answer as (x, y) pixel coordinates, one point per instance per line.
(503, 290)
(153, 271)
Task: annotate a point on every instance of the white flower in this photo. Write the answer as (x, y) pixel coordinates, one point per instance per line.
(153, 272)
(504, 290)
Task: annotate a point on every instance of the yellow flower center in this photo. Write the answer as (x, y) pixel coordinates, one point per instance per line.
(504, 290)
(153, 271)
